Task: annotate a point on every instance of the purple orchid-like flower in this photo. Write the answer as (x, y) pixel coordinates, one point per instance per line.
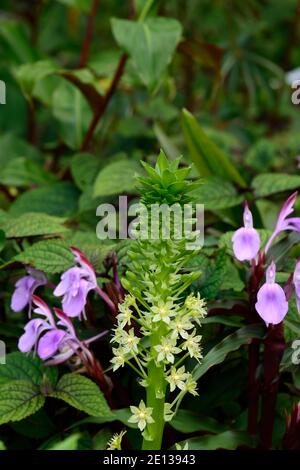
(283, 221)
(271, 305)
(296, 281)
(246, 240)
(25, 288)
(75, 285)
(54, 341)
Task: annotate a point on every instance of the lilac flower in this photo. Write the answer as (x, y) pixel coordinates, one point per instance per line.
(271, 304)
(25, 287)
(246, 240)
(283, 221)
(55, 341)
(75, 285)
(296, 281)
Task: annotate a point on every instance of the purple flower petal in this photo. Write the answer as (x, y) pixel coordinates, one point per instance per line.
(50, 342)
(73, 305)
(296, 281)
(271, 304)
(246, 243)
(25, 287)
(30, 337)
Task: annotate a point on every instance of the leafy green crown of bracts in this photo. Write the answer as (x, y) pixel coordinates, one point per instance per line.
(166, 183)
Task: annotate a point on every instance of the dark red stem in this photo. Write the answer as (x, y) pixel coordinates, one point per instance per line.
(110, 92)
(274, 347)
(85, 50)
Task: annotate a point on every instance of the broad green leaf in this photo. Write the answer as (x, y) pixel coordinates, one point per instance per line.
(150, 44)
(2, 445)
(50, 256)
(16, 148)
(83, 394)
(117, 178)
(187, 421)
(24, 172)
(60, 199)
(121, 415)
(19, 399)
(29, 74)
(228, 440)
(72, 112)
(216, 194)
(31, 224)
(69, 443)
(273, 183)
(26, 367)
(84, 168)
(207, 157)
(231, 343)
(210, 285)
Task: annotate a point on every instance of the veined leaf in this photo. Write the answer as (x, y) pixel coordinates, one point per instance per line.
(51, 256)
(83, 394)
(272, 183)
(28, 368)
(18, 399)
(150, 44)
(116, 178)
(31, 224)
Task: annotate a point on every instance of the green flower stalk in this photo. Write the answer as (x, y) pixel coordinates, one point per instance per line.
(157, 329)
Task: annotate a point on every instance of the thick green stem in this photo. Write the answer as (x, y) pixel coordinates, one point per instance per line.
(156, 391)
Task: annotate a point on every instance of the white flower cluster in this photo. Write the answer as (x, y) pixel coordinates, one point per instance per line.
(174, 326)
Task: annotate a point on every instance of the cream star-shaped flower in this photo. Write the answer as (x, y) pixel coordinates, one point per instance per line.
(177, 378)
(166, 350)
(141, 415)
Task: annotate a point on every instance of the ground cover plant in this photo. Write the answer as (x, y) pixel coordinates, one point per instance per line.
(149, 225)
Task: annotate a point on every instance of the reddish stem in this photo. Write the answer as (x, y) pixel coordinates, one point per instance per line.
(85, 50)
(274, 347)
(110, 92)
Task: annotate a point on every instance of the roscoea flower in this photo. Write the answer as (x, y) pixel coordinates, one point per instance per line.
(296, 281)
(246, 240)
(25, 287)
(283, 221)
(271, 304)
(53, 340)
(75, 285)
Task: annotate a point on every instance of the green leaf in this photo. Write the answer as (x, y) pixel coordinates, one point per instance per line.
(83, 394)
(84, 167)
(2, 445)
(214, 277)
(273, 183)
(187, 421)
(143, 42)
(60, 199)
(228, 440)
(207, 157)
(19, 399)
(217, 194)
(50, 256)
(231, 343)
(117, 178)
(28, 75)
(2, 239)
(23, 172)
(26, 367)
(73, 113)
(69, 443)
(31, 224)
